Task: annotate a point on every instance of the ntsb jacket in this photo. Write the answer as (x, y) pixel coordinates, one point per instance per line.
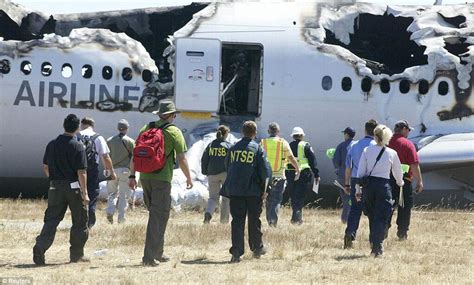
(247, 170)
(213, 158)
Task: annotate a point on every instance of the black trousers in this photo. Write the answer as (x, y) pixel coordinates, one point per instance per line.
(93, 192)
(297, 191)
(60, 196)
(240, 208)
(404, 213)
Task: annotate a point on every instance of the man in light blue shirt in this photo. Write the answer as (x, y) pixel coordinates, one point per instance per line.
(354, 153)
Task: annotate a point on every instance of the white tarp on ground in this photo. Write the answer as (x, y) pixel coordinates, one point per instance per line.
(182, 198)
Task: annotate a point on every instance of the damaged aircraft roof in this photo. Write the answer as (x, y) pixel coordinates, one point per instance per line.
(400, 41)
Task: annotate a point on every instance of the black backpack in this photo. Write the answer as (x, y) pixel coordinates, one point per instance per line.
(91, 152)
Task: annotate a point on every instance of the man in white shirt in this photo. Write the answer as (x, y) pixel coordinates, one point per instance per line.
(96, 149)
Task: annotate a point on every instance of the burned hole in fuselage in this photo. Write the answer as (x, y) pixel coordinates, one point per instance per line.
(384, 41)
(458, 47)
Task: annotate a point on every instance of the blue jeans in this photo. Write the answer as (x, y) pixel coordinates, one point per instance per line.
(346, 204)
(354, 213)
(378, 201)
(275, 195)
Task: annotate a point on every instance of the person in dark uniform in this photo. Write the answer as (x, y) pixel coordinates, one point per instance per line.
(339, 162)
(309, 174)
(65, 164)
(377, 163)
(248, 173)
(213, 165)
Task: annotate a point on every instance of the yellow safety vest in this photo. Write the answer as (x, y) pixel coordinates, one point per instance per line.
(274, 149)
(303, 162)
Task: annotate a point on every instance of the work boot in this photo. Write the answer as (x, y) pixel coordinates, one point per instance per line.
(79, 259)
(347, 241)
(110, 218)
(402, 236)
(235, 259)
(207, 218)
(149, 263)
(377, 251)
(38, 256)
(163, 258)
(259, 252)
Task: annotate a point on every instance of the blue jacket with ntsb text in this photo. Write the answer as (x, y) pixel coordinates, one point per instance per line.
(247, 170)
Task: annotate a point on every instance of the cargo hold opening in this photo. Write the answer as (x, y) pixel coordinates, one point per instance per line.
(241, 80)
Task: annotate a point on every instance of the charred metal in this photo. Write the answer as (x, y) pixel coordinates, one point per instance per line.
(384, 42)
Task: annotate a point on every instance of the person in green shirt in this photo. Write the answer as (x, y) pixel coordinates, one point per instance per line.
(157, 185)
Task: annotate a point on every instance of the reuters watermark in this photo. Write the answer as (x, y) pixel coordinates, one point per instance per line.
(16, 280)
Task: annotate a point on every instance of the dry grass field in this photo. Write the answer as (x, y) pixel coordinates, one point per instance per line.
(440, 249)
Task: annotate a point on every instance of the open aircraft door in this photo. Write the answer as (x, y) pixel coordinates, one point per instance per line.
(197, 75)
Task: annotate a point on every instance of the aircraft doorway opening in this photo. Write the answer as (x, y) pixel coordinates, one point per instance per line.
(241, 80)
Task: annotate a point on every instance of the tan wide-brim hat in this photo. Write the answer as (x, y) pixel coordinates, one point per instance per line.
(165, 107)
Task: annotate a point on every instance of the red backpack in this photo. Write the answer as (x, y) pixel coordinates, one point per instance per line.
(149, 151)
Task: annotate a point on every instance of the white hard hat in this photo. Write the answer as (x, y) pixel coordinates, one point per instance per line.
(297, 131)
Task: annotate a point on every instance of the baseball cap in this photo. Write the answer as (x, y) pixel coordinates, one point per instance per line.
(350, 131)
(403, 124)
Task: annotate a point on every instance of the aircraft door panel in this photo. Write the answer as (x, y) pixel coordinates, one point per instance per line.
(197, 74)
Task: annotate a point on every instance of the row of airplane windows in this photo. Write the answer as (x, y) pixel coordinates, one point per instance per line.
(404, 87)
(127, 75)
(66, 70)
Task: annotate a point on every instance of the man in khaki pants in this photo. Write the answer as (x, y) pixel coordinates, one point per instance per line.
(213, 165)
(157, 184)
(121, 149)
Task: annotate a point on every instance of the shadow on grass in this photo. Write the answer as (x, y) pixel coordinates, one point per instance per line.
(32, 265)
(349, 257)
(203, 261)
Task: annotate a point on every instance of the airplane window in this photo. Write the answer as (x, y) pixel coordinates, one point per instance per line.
(404, 86)
(385, 85)
(366, 84)
(443, 88)
(423, 86)
(46, 69)
(146, 75)
(26, 67)
(4, 66)
(326, 82)
(127, 74)
(107, 72)
(66, 70)
(346, 83)
(86, 71)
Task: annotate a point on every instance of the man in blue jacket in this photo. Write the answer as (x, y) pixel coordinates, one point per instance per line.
(248, 173)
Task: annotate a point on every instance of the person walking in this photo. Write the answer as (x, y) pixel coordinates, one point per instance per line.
(339, 162)
(248, 174)
(352, 162)
(157, 184)
(377, 162)
(309, 174)
(278, 153)
(213, 165)
(96, 149)
(121, 151)
(407, 153)
(64, 163)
